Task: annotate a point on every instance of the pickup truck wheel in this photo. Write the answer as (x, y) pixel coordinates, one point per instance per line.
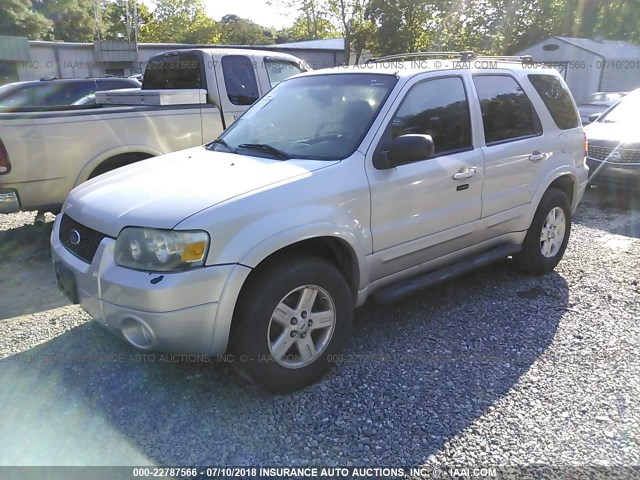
(548, 235)
(292, 322)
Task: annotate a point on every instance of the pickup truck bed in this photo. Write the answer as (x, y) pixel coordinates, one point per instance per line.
(46, 152)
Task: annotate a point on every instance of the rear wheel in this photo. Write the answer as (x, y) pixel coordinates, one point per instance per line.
(548, 235)
(292, 320)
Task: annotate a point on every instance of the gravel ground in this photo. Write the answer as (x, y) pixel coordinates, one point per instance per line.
(496, 368)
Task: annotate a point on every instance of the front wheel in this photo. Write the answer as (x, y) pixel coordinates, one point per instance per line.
(548, 235)
(291, 323)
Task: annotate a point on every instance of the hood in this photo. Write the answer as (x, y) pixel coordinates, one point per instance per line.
(620, 133)
(161, 192)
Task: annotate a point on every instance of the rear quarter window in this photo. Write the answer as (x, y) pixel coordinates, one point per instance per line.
(557, 100)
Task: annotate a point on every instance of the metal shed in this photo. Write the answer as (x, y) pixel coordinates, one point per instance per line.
(591, 65)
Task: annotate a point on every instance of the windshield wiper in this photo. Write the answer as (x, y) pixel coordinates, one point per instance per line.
(263, 147)
(220, 141)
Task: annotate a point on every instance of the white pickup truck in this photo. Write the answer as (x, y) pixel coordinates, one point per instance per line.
(188, 98)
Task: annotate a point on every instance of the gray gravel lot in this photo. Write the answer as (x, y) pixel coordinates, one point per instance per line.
(496, 368)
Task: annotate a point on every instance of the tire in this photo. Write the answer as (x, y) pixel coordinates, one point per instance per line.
(540, 256)
(277, 302)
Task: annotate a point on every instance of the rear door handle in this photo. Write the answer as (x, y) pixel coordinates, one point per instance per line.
(536, 156)
(467, 172)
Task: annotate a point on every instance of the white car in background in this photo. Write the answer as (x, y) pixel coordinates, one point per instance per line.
(597, 104)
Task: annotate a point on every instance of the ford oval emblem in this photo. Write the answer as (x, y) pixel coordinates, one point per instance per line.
(74, 237)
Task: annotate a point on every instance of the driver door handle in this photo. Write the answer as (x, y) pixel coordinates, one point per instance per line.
(466, 172)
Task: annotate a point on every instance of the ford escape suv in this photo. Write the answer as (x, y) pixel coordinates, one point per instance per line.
(336, 186)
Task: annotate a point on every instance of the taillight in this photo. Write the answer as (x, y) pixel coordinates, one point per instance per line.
(5, 164)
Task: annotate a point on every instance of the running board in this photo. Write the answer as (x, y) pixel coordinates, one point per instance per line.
(405, 288)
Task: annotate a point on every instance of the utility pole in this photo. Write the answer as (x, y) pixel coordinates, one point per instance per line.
(136, 23)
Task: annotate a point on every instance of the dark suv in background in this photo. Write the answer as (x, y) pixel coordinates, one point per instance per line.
(57, 92)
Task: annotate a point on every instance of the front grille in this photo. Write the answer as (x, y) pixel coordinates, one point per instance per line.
(80, 240)
(610, 154)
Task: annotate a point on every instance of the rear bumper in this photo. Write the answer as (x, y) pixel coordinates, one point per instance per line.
(9, 201)
(626, 176)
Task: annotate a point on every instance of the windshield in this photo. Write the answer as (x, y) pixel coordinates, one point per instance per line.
(625, 112)
(320, 117)
(45, 94)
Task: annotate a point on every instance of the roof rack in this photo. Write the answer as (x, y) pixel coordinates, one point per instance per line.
(467, 56)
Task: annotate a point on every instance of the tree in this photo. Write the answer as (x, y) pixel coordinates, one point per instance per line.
(302, 29)
(180, 21)
(400, 25)
(19, 19)
(116, 18)
(73, 20)
(240, 31)
(353, 22)
(312, 22)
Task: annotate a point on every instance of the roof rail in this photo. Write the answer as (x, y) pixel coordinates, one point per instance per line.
(463, 56)
(467, 56)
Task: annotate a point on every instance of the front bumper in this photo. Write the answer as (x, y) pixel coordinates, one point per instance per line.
(9, 202)
(626, 176)
(168, 312)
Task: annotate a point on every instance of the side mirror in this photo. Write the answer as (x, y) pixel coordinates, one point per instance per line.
(594, 116)
(405, 149)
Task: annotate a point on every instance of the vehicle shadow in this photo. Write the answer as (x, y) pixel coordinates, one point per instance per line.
(415, 374)
(27, 283)
(605, 202)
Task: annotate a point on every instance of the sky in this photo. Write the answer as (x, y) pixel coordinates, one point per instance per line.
(255, 10)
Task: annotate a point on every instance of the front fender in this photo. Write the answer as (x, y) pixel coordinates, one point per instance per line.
(294, 235)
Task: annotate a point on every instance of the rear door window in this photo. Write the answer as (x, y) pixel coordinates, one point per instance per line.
(557, 100)
(240, 79)
(507, 112)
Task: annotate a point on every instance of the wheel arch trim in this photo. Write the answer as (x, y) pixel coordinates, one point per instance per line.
(544, 186)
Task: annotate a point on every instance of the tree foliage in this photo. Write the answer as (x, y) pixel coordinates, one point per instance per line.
(240, 31)
(18, 19)
(73, 20)
(382, 26)
(179, 21)
(119, 20)
(312, 22)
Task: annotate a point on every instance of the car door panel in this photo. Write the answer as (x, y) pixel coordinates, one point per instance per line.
(419, 208)
(514, 143)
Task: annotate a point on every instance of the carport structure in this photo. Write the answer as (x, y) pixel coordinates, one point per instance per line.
(591, 65)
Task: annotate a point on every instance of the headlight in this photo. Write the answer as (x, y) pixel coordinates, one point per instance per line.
(157, 250)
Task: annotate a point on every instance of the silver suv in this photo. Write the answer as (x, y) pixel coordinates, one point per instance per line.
(336, 186)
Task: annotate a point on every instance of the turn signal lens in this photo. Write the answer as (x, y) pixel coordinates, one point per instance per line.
(194, 252)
